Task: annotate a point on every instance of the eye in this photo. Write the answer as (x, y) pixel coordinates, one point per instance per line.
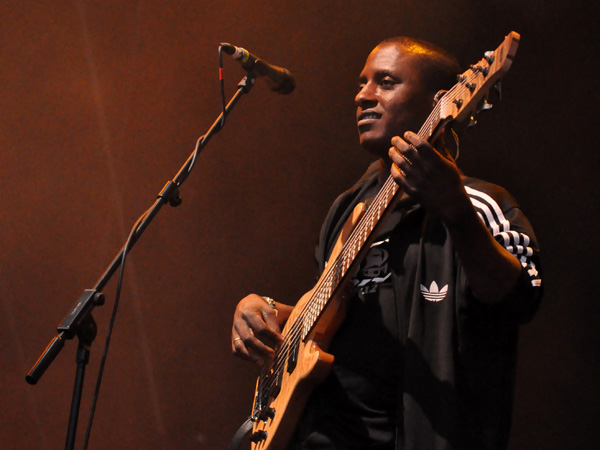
(388, 82)
(361, 84)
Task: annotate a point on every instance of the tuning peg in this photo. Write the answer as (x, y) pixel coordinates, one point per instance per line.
(484, 105)
(498, 88)
(489, 57)
(483, 70)
(472, 121)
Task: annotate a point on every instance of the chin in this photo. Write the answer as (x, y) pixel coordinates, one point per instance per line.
(377, 146)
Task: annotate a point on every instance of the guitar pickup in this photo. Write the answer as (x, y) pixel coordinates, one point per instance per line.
(293, 354)
(276, 386)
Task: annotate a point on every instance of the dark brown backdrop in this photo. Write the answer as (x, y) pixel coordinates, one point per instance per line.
(101, 102)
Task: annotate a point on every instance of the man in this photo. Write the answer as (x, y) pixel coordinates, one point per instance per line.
(425, 357)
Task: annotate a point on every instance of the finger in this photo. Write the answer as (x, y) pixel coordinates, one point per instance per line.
(399, 162)
(418, 145)
(406, 151)
(270, 317)
(239, 349)
(405, 183)
(398, 174)
(264, 328)
(249, 345)
(401, 178)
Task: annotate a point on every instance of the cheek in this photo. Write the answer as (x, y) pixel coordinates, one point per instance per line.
(400, 118)
(410, 114)
(422, 105)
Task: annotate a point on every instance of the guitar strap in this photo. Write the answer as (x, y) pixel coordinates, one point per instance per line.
(240, 434)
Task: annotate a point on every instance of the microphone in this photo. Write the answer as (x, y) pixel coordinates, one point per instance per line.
(281, 80)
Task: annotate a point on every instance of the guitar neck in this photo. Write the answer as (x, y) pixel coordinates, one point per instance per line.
(337, 269)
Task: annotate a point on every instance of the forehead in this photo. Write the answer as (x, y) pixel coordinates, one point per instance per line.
(392, 58)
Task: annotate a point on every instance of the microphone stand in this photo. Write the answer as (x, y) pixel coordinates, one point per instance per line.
(79, 321)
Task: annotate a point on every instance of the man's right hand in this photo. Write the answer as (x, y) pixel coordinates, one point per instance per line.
(256, 328)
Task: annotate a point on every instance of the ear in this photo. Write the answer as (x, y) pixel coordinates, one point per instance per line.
(450, 143)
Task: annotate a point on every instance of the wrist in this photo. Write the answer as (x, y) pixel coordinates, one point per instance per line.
(460, 213)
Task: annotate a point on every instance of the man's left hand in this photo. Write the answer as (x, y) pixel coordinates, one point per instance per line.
(428, 176)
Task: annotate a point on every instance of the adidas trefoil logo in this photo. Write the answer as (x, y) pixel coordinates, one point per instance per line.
(434, 294)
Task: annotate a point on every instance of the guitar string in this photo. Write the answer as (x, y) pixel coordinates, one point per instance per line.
(334, 271)
(314, 305)
(315, 302)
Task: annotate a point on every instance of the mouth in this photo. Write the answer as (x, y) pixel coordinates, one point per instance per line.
(367, 117)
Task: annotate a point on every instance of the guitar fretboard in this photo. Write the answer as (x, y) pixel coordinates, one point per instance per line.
(335, 272)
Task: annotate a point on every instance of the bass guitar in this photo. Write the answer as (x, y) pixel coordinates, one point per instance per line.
(300, 361)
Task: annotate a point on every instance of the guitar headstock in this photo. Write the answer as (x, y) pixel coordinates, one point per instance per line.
(473, 85)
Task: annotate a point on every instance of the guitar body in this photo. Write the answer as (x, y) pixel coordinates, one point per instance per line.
(313, 363)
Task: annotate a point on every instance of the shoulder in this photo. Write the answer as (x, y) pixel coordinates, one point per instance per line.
(494, 204)
(489, 193)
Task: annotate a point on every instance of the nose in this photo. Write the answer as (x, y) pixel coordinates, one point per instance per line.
(365, 95)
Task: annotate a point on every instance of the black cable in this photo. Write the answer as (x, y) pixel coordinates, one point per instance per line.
(126, 248)
(110, 328)
(200, 140)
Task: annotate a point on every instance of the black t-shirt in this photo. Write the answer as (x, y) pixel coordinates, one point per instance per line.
(357, 406)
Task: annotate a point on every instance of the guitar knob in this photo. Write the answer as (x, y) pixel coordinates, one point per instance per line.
(267, 414)
(484, 106)
(258, 436)
(472, 121)
(498, 89)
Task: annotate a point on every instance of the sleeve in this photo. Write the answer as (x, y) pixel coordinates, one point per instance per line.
(509, 226)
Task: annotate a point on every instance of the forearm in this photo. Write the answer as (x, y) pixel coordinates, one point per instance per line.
(492, 272)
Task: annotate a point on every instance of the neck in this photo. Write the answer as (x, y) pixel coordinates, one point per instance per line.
(385, 165)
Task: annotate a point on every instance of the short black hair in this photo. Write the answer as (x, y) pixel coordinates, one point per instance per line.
(439, 67)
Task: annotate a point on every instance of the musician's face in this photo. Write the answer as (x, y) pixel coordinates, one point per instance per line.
(392, 98)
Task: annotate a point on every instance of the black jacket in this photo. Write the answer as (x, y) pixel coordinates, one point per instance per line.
(459, 354)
